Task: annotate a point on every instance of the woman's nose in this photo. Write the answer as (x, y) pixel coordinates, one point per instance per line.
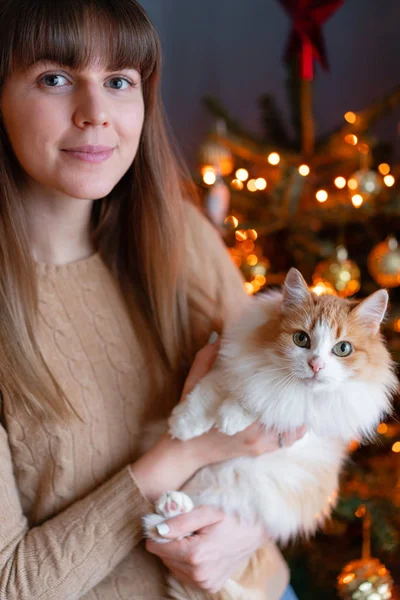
(91, 109)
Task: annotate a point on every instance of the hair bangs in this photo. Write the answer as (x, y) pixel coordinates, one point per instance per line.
(79, 33)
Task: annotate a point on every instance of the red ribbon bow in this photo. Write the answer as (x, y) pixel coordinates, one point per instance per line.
(306, 39)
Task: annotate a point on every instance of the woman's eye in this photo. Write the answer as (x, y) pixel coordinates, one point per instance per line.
(119, 83)
(301, 339)
(53, 80)
(342, 349)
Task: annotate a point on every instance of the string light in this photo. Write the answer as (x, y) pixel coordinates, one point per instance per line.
(321, 196)
(209, 177)
(242, 174)
(261, 183)
(232, 221)
(274, 158)
(384, 169)
(251, 185)
(237, 184)
(252, 260)
(241, 235)
(352, 184)
(388, 180)
(382, 428)
(357, 200)
(396, 447)
(304, 170)
(261, 280)
(350, 117)
(361, 511)
(340, 182)
(351, 139)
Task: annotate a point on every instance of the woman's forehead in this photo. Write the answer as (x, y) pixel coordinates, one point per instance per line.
(98, 42)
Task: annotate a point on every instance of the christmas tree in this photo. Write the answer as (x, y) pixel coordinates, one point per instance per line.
(331, 207)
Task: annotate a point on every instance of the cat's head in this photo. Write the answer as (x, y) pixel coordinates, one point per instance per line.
(330, 367)
(327, 340)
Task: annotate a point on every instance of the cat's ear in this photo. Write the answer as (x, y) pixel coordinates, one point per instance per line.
(372, 310)
(295, 289)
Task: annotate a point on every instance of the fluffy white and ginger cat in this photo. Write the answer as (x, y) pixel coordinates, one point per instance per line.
(293, 359)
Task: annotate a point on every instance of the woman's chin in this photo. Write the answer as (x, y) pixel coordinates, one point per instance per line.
(92, 191)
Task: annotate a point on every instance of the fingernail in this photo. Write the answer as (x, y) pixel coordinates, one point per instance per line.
(213, 337)
(162, 529)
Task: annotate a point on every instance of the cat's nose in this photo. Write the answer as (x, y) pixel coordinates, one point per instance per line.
(316, 364)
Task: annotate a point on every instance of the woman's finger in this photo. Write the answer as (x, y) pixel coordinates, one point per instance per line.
(196, 519)
(202, 364)
(290, 437)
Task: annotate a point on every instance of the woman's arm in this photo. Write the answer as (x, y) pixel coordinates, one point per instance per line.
(72, 552)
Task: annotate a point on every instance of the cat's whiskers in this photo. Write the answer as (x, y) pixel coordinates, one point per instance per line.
(283, 384)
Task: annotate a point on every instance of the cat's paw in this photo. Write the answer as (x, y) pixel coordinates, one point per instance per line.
(183, 425)
(232, 419)
(149, 523)
(172, 504)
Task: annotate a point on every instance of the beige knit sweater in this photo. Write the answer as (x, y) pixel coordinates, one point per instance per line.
(70, 512)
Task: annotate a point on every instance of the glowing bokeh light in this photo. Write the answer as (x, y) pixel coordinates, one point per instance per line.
(209, 177)
(261, 184)
(274, 158)
(340, 182)
(350, 117)
(242, 174)
(388, 180)
(357, 200)
(251, 185)
(321, 196)
(304, 170)
(384, 169)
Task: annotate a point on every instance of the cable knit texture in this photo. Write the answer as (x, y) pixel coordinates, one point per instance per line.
(70, 510)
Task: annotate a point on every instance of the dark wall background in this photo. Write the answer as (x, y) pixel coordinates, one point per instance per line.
(233, 49)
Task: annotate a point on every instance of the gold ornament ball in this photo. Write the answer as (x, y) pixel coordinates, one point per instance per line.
(341, 273)
(365, 579)
(214, 154)
(384, 263)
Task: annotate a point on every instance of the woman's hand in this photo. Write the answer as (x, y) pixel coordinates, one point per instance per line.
(217, 549)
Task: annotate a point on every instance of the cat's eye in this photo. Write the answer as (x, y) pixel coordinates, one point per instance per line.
(342, 349)
(301, 339)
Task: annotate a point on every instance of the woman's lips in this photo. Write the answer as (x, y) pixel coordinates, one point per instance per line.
(91, 154)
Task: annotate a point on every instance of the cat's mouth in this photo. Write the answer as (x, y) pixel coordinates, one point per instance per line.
(315, 379)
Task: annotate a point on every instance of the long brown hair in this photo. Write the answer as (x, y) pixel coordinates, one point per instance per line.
(136, 228)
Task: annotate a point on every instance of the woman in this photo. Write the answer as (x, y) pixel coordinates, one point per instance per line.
(109, 284)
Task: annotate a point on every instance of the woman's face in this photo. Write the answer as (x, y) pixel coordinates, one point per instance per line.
(75, 133)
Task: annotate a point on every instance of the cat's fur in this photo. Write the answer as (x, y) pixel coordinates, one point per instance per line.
(261, 374)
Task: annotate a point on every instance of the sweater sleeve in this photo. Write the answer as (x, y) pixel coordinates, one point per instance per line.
(69, 554)
(216, 285)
